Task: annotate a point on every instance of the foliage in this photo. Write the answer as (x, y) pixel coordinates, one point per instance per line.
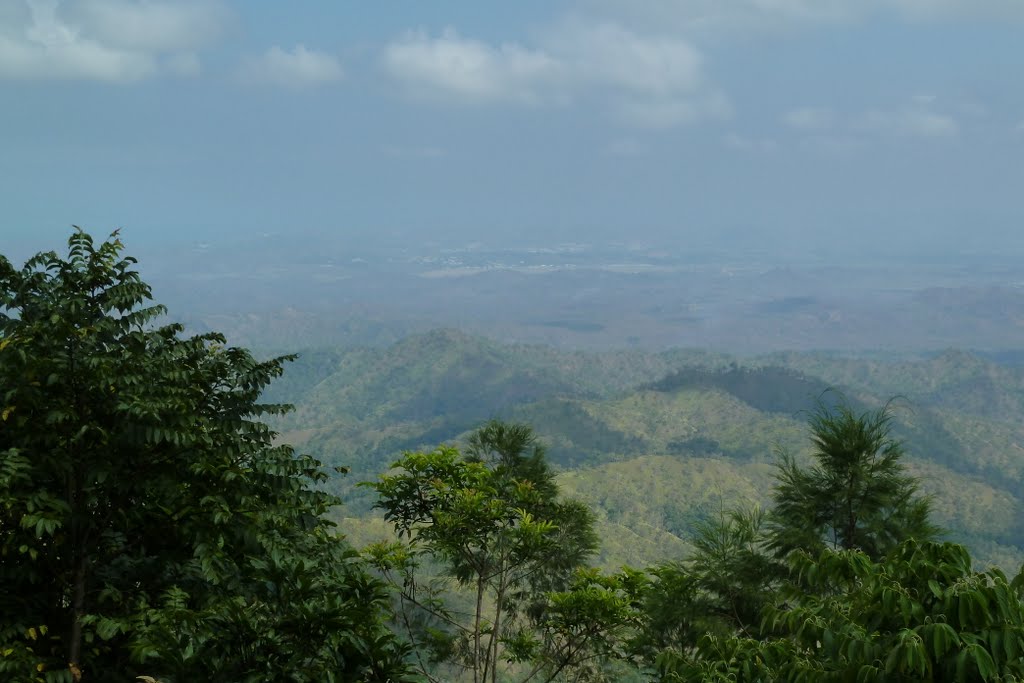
(492, 522)
(582, 628)
(864, 595)
(731, 565)
(856, 495)
(770, 389)
(732, 592)
(720, 590)
(603, 433)
(919, 614)
(148, 521)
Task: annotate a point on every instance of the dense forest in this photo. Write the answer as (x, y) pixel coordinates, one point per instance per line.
(513, 513)
(655, 442)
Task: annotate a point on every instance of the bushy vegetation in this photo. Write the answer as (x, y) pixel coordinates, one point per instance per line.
(610, 435)
(153, 525)
(839, 580)
(149, 523)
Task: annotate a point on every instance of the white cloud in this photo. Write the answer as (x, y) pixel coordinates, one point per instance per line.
(810, 118)
(106, 40)
(298, 68)
(646, 80)
(608, 55)
(825, 128)
(671, 112)
(184, 64)
(912, 121)
(470, 69)
(150, 25)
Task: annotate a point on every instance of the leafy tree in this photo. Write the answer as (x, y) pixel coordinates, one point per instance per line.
(721, 589)
(855, 495)
(735, 611)
(919, 614)
(493, 523)
(148, 521)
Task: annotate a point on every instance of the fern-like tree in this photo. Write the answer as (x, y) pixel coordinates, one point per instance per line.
(731, 610)
(149, 524)
(855, 494)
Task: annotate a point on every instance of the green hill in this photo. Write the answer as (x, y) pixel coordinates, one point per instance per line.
(655, 441)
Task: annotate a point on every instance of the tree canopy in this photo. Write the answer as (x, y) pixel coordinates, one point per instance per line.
(493, 522)
(856, 493)
(918, 614)
(149, 523)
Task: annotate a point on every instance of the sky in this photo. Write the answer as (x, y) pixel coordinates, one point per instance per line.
(796, 124)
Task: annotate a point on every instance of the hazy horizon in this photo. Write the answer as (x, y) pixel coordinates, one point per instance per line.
(804, 128)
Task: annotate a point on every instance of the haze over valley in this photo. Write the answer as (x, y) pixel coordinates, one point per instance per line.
(289, 291)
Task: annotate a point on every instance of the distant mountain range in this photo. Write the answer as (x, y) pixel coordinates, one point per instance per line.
(656, 441)
(286, 292)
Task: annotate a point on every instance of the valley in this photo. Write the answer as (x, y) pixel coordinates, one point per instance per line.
(655, 442)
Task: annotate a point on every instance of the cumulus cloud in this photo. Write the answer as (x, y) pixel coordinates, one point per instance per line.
(452, 65)
(106, 40)
(608, 55)
(647, 80)
(149, 26)
(298, 68)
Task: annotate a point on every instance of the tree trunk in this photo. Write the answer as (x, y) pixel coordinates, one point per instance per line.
(77, 612)
(496, 630)
(476, 628)
(850, 542)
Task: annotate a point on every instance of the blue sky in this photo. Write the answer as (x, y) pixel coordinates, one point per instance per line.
(787, 123)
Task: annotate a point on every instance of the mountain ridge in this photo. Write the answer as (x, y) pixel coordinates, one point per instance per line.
(609, 417)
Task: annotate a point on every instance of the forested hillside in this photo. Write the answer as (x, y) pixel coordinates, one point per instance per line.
(656, 441)
(515, 513)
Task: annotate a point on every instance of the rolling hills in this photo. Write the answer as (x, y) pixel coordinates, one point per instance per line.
(656, 441)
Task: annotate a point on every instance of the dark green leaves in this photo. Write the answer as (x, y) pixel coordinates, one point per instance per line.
(148, 521)
(918, 614)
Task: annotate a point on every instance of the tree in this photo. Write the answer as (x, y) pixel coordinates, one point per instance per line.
(148, 521)
(732, 568)
(751, 602)
(918, 614)
(720, 590)
(856, 494)
(493, 523)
